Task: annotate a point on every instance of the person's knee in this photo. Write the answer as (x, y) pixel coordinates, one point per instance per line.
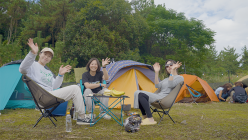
(141, 95)
(87, 91)
(104, 89)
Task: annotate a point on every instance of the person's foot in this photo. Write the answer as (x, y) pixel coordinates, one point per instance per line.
(106, 116)
(89, 116)
(85, 121)
(148, 122)
(144, 117)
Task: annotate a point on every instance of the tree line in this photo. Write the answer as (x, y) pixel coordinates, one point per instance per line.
(139, 30)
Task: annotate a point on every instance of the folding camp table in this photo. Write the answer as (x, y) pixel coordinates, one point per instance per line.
(108, 109)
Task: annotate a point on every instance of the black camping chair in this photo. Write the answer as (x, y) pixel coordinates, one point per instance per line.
(43, 99)
(167, 102)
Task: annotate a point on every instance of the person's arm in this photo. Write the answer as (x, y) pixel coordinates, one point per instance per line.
(85, 82)
(156, 68)
(229, 92)
(30, 58)
(174, 68)
(59, 79)
(176, 80)
(221, 95)
(105, 72)
(92, 86)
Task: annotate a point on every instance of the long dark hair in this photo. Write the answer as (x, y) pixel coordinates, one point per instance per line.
(172, 61)
(227, 85)
(98, 64)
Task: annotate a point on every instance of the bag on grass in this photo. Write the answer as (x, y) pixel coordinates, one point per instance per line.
(132, 123)
(240, 97)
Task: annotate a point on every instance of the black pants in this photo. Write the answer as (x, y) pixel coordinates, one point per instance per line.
(144, 105)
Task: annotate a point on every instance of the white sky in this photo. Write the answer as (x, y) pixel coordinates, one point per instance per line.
(228, 18)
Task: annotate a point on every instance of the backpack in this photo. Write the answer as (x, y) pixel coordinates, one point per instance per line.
(240, 97)
(132, 123)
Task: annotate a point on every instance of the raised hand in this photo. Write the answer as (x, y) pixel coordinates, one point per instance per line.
(63, 70)
(176, 66)
(156, 67)
(105, 62)
(34, 48)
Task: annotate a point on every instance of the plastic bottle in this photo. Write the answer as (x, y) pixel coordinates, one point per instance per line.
(68, 122)
(74, 114)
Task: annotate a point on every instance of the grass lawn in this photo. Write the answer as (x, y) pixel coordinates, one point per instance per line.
(212, 120)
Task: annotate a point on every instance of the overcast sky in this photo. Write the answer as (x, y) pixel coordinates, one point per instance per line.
(228, 18)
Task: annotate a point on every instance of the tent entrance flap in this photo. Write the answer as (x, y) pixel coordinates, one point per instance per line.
(126, 83)
(145, 84)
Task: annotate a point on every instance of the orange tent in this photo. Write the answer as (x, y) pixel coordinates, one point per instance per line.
(199, 85)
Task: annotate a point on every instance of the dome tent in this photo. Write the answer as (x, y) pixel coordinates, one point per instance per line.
(129, 76)
(199, 85)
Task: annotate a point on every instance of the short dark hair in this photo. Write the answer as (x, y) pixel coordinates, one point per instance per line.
(172, 61)
(98, 64)
(238, 84)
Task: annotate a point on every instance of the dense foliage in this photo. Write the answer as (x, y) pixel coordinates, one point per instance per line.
(78, 30)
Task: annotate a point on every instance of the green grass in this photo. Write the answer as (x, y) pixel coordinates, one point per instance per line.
(212, 120)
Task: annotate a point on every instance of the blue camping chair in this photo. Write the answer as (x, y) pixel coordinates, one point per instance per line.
(72, 111)
(82, 90)
(194, 97)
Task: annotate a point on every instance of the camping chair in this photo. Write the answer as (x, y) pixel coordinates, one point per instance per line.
(43, 99)
(167, 102)
(82, 90)
(194, 97)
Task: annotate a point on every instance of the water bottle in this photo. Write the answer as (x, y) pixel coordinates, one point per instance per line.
(68, 122)
(74, 114)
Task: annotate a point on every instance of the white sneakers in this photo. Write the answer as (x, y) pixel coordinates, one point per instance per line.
(106, 116)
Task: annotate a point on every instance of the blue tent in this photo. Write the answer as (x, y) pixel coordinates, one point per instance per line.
(12, 92)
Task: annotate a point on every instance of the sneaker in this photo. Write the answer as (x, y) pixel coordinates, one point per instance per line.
(89, 116)
(106, 116)
(147, 122)
(85, 121)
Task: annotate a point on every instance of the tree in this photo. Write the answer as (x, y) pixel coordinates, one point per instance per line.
(228, 59)
(103, 28)
(244, 59)
(172, 36)
(11, 13)
(48, 16)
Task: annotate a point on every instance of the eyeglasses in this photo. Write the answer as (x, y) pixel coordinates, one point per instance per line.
(167, 65)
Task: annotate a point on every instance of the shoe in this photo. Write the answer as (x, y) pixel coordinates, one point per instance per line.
(89, 116)
(147, 122)
(85, 121)
(106, 116)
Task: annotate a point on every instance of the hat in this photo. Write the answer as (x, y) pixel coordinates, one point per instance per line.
(46, 49)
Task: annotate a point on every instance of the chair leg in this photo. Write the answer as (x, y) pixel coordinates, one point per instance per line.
(161, 118)
(170, 117)
(54, 118)
(38, 121)
(52, 121)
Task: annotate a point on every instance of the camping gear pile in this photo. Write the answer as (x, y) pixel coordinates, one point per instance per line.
(132, 123)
